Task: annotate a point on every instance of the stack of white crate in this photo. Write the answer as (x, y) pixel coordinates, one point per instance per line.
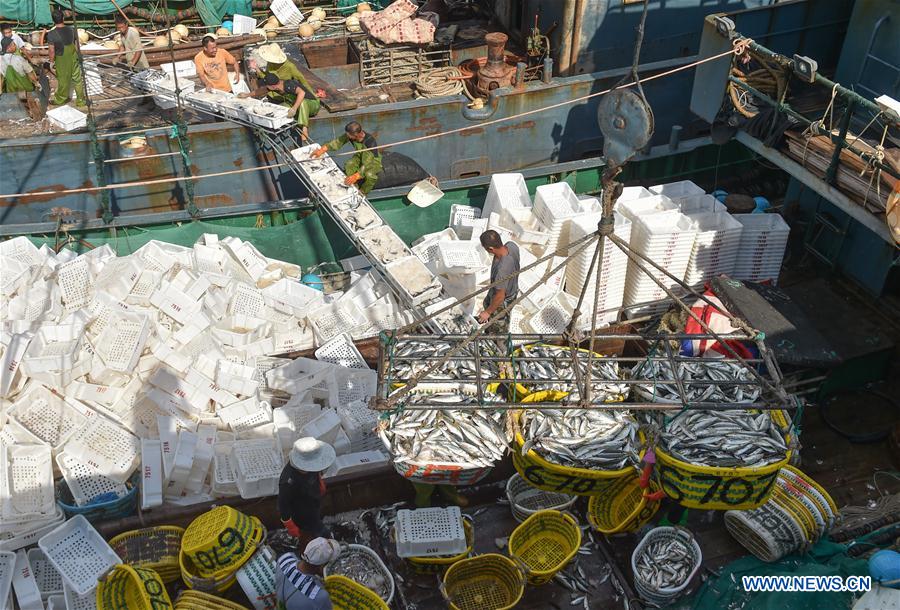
(612, 268)
(715, 248)
(554, 206)
(666, 238)
(763, 242)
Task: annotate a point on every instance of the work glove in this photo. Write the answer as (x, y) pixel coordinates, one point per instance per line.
(319, 152)
(292, 528)
(353, 179)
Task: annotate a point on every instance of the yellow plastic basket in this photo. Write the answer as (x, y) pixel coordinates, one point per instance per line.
(486, 582)
(712, 488)
(346, 594)
(200, 583)
(219, 541)
(436, 565)
(623, 508)
(545, 542)
(553, 477)
(155, 548)
(197, 600)
(129, 588)
(798, 511)
(807, 481)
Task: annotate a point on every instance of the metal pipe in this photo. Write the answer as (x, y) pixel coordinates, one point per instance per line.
(575, 45)
(142, 157)
(565, 36)
(547, 74)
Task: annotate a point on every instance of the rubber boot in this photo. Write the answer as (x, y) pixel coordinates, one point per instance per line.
(423, 494)
(452, 495)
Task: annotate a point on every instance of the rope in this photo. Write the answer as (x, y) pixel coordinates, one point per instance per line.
(260, 168)
(442, 82)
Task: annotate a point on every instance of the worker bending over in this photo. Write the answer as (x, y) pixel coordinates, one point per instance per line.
(64, 59)
(212, 66)
(130, 43)
(298, 580)
(6, 31)
(17, 72)
(301, 487)
(504, 265)
(369, 165)
(297, 95)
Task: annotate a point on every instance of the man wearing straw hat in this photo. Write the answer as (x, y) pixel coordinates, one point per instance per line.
(306, 99)
(298, 580)
(301, 487)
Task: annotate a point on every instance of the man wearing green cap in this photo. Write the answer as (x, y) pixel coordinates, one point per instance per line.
(64, 57)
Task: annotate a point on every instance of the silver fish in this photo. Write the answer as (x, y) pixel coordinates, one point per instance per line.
(362, 568)
(535, 374)
(734, 438)
(695, 377)
(665, 563)
(475, 438)
(584, 438)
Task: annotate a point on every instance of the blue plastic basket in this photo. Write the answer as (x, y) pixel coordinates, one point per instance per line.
(100, 508)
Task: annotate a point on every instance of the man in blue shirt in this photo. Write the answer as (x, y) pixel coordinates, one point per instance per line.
(298, 581)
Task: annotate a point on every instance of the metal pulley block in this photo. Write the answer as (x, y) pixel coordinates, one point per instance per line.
(626, 122)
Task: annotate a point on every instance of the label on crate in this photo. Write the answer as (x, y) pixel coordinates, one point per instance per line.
(716, 490)
(567, 480)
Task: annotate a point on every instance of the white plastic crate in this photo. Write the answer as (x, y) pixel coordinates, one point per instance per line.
(427, 532)
(416, 282)
(553, 316)
(341, 351)
(554, 203)
(257, 465)
(298, 375)
(359, 421)
(79, 553)
(55, 347)
(260, 416)
(381, 317)
(290, 296)
(85, 482)
(643, 206)
(461, 213)
(28, 595)
(367, 290)
(182, 460)
(67, 118)
(506, 192)
(26, 482)
(47, 416)
(56, 602)
(223, 479)
(698, 204)
(763, 239)
(676, 190)
(383, 244)
(324, 427)
(633, 192)
(48, 579)
(73, 601)
(27, 534)
(715, 248)
(426, 247)
(23, 250)
(286, 12)
(203, 456)
(110, 448)
(525, 226)
(7, 570)
(331, 320)
(357, 462)
(151, 473)
(289, 421)
(354, 384)
(236, 378)
(257, 579)
(122, 341)
(462, 256)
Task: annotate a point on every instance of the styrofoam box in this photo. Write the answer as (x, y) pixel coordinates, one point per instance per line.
(354, 463)
(182, 69)
(67, 118)
(427, 532)
(673, 190)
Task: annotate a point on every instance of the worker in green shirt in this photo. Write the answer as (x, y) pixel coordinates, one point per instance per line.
(64, 57)
(298, 92)
(16, 72)
(365, 165)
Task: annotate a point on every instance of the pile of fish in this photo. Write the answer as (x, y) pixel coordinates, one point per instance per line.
(536, 373)
(445, 436)
(706, 380)
(364, 568)
(724, 438)
(582, 438)
(408, 359)
(665, 564)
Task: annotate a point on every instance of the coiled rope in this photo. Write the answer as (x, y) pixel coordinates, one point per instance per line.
(441, 82)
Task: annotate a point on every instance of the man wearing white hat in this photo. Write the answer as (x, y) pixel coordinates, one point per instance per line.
(298, 582)
(301, 487)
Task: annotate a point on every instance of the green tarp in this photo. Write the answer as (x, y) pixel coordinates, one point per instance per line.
(38, 11)
(824, 559)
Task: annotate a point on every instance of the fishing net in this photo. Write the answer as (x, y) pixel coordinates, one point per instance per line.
(824, 559)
